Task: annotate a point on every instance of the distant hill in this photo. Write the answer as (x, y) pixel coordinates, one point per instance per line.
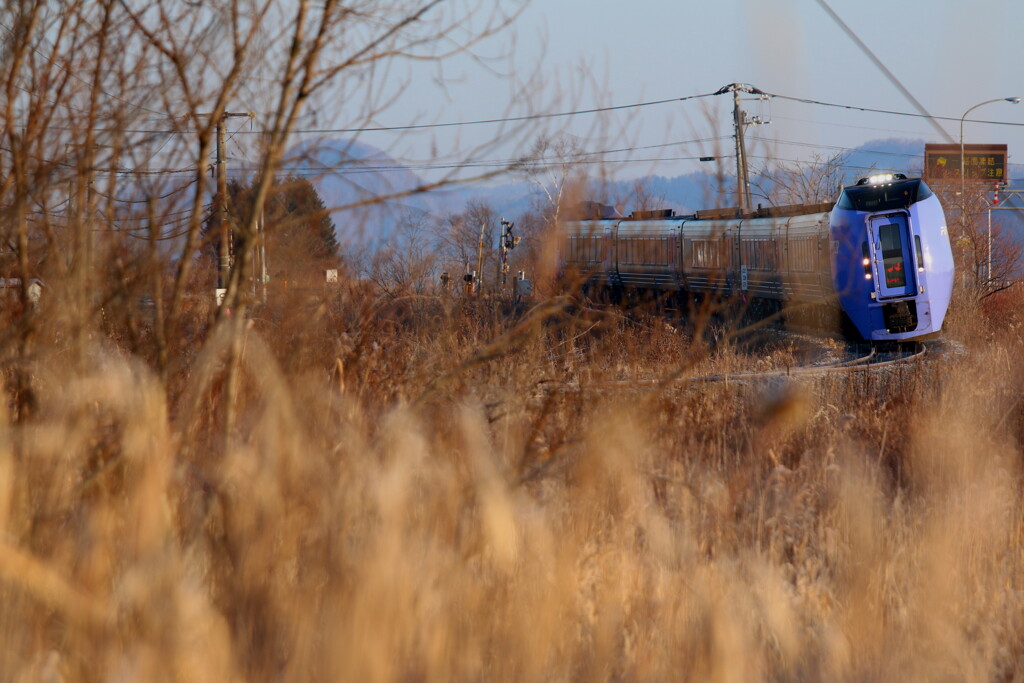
(350, 177)
(359, 173)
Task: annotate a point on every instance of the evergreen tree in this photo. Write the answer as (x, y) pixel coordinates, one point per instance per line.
(296, 217)
(300, 234)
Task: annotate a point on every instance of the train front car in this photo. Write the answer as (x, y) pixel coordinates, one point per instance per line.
(892, 262)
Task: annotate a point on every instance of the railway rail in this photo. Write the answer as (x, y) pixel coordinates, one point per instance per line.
(872, 360)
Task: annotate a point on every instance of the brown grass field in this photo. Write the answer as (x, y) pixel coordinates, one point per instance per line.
(396, 500)
(357, 484)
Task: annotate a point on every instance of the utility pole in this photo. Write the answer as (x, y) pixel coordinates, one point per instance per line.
(742, 184)
(740, 122)
(226, 234)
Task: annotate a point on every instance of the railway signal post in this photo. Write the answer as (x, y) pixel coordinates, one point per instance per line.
(507, 242)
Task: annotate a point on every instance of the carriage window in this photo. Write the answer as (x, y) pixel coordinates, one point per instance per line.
(892, 255)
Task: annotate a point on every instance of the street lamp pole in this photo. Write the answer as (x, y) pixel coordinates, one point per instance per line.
(1014, 100)
(963, 182)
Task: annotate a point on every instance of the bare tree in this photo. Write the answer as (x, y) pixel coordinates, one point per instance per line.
(987, 261)
(113, 111)
(467, 240)
(816, 181)
(643, 198)
(553, 165)
(408, 263)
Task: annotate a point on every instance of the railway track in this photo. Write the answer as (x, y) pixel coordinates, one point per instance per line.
(872, 360)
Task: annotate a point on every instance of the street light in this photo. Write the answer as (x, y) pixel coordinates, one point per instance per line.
(963, 184)
(1014, 100)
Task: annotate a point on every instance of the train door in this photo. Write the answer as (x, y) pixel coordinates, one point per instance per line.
(892, 245)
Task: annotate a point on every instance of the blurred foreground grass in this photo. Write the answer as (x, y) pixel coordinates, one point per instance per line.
(396, 501)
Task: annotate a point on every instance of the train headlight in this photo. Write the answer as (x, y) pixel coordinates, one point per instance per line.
(866, 261)
(881, 179)
(867, 276)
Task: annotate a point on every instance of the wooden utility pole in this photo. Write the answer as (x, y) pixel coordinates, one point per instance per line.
(742, 184)
(740, 122)
(224, 269)
(226, 234)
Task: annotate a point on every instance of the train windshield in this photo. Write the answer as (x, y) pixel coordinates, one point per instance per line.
(892, 255)
(898, 195)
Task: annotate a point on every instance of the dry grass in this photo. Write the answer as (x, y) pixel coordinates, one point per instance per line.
(396, 501)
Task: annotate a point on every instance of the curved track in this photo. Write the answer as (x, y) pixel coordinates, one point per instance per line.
(872, 360)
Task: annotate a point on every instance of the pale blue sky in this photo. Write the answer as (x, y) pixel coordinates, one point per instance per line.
(950, 54)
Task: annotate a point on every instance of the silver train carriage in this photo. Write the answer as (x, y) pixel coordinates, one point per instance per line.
(831, 257)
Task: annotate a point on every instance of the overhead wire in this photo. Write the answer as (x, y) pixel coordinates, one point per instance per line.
(451, 124)
(881, 67)
(806, 100)
(526, 163)
(74, 75)
(834, 147)
(148, 199)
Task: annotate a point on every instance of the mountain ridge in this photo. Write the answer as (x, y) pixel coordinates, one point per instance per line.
(351, 175)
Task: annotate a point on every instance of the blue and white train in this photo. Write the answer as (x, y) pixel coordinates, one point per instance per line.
(880, 255)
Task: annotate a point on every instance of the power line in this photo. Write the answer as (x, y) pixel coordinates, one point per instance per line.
(875, 129)
(452, 124)
(512, 119)
(805, 100)
(842, 149)
(79, 78)
(520, 162)
(881, 67)
(147, 200)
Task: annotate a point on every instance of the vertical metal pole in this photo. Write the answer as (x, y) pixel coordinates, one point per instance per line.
(503, 247)
(263, 256)
(989, 284)
(480, 261)
(256, 261)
